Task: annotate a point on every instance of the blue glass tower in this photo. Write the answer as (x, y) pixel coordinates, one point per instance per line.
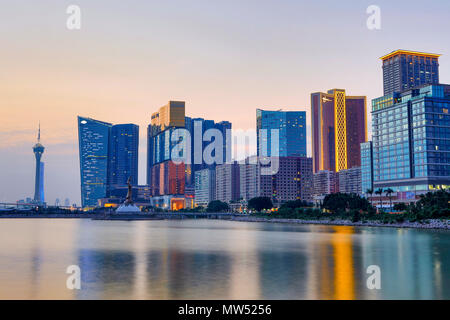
(292, 132)
(123, 154)
(93, 138)
(411, 140)
(366, 166)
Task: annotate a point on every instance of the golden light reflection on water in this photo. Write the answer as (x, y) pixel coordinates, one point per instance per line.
(343, 263)
(216, 260)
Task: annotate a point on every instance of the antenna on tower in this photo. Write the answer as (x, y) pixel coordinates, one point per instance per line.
(39, 132)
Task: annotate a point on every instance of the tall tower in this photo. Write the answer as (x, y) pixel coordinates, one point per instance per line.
(38, 150)
(338, 125)
(291, 126)
(405, 69)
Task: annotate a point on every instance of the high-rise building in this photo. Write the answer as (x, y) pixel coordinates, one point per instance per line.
(411, 141)
(165, 176)
(292, 181)
(227, 182)
(350, 180)
(338, 125)
(197, 128)
(205, 187)
(366, 166)
(38, 150)
(159, 145)
(250, 178)
(93, 139)
(123, 154)
(291, 126)
(404, 69)
(325, 182)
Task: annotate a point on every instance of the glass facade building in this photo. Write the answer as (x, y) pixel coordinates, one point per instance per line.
(123, 154)
(411, 140)
(165, 133)
(292, 132)
(93, 139)
(404, 69)
(205, 187)
(366, 166)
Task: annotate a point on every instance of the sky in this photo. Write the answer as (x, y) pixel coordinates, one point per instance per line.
(224, 58)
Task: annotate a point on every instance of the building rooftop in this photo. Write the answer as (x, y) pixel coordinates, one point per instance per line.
(415, 53)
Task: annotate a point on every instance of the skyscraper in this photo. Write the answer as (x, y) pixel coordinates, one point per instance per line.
(205, 187)
(291, 126)
(197, 128)
(325, 182)
(108, 157)
(38, 150)
(339, 126)
(123, 154)
(227, 182)
(159, 145)
(169, 178)
(349, 180)
(410, 127)
(366, 166)
(404, 69)
(163, 175)
(93, 139)
(250, 178)
(411, 141)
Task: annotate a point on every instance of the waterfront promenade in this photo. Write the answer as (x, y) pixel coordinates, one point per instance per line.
(427, 224)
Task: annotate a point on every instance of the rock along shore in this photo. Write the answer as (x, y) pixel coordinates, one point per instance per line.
(428, 224)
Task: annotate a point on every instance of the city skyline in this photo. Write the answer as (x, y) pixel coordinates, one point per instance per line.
(59, 93)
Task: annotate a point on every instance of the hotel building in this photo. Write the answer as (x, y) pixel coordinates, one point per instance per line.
(411, 141)
(404, 69)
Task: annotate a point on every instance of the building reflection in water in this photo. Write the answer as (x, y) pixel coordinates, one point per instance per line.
(219, 260)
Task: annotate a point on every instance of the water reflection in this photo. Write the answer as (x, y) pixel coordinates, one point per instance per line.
(206, 259)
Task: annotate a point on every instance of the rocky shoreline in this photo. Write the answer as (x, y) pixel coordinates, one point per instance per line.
(429, 224)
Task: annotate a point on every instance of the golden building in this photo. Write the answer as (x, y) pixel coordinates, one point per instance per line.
(339, 126)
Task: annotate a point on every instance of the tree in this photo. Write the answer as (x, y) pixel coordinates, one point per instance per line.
(217, 206)
(337, 202)
(400, 207)
(379, 192)
(370, 192)
(296, 204)
(389, 192)
(260, 203)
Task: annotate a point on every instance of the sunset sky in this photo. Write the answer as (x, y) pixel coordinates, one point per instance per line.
(224, 58)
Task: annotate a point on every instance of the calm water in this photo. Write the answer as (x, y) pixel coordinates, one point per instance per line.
(208, 259)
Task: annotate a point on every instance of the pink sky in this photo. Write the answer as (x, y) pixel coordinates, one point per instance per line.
(225, 60)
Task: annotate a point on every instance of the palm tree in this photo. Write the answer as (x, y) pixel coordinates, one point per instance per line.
(389, 192)
(380, 192)
(370, 192)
